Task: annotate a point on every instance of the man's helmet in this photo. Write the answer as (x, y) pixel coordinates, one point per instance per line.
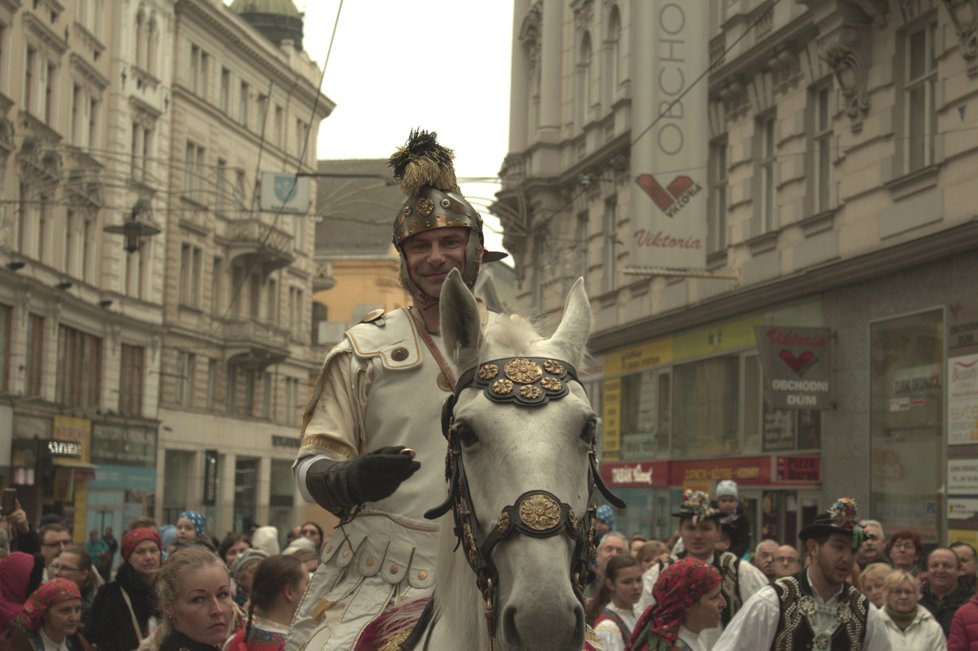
(426, 174)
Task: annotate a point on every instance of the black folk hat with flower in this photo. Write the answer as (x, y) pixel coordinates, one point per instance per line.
(696, 506)
(841, 518)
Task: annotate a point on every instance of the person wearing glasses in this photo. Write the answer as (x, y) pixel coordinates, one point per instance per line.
(905, 551)
(75, 564)
(787, 561)
(54, 538)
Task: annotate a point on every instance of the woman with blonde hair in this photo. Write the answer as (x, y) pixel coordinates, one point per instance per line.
(909, 626)
(193, 590)
(871, 582)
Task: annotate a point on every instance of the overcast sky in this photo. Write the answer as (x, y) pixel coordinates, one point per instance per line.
(442, 65)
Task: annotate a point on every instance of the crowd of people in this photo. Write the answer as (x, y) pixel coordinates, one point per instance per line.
(175, 586)
(846, 586)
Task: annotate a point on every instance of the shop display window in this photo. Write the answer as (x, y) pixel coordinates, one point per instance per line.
(706, 411)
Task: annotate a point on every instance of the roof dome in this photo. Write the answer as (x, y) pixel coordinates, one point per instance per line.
(276, 20)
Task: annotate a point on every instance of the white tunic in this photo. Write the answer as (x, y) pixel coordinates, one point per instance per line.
(608, 631)
(754, 627)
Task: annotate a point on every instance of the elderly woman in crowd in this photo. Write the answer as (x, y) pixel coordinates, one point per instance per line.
(871, 582)
(49, 620)
(905, 551)
(909, 626)
(687, 601)
(124, 612)
(74, 564)
(194, 593)
(280, 582)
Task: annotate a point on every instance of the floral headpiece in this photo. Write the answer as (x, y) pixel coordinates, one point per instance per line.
(844, 513)
(696, 505)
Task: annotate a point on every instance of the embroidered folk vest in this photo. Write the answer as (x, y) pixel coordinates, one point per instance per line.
(795, 631)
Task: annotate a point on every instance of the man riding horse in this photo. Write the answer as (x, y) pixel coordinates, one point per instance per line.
(372, 452)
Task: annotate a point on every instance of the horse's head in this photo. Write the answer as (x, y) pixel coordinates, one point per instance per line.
(520, 467)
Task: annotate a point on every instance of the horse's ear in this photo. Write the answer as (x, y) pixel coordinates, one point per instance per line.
(575, 324)
(461, 324)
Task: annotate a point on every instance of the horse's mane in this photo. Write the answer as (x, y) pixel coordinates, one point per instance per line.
(514, 334)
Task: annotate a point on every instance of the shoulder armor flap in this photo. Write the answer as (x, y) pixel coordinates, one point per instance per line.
(396, 344)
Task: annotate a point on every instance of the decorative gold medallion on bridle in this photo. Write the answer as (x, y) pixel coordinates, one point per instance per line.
(551, 384)
(523, 371)
(488, 372)
(502, 387)
(530, 392)
(540, 512)
(554, 367)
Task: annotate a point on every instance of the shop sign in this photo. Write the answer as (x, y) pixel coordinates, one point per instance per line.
(109, 477)
(73, 429)
(962, 400)
(961, 508)
(279, 441)
(962, 476)
(638, 358)
(669, 207)
(640, 474)
(210, 477)
(611, 417)
(798, 470)
(797, 366)
(751, 471)
(65, 449)
(124, 445)
(962, 327)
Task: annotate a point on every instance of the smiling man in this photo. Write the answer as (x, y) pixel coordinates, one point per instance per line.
(380, 392)
(944, 594)
(816, 608)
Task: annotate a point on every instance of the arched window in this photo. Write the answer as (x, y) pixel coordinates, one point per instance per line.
(583, 90)
(152, 43)
(140, 44)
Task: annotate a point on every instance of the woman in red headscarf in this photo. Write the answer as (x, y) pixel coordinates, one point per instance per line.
(124, 612)
(49, 620)
(687, 601)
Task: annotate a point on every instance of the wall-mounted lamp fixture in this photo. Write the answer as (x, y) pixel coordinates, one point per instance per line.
(133, 229)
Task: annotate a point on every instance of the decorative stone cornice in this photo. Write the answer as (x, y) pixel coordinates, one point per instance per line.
(964, 15)
(583, 14)
(785, 66)
(86, 70)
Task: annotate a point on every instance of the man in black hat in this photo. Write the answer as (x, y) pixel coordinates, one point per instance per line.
(816, 609)
(699, 527)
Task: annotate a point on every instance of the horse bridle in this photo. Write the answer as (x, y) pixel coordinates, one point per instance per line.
(526, 382)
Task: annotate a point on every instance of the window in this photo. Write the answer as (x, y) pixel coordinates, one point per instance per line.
(219, 182)
(231, 396)
(191, 259)
(583, 93)
(193, 170)
(301, 135)
(30, 76)
(79, 380)
(132, 362)
(142, 142)
(34, 362)
(239, 193)
(88, 249)
(75, 132)
(217, 285)
(254, 298)
(184, 377)
(609, 247)
(212, 370)
(237, 287)
(6, 314)
(272, 314)
(243, 101)
(50, 93)
(613, 51)
(706, 421)
(225, 99)
(279, 125)
(765, 162)
(822, 148)
(71, 241)
(262, 114)
(292, 406)
(140, 40)
(152, 43)
(644, 429)
(296, 310)
(921, 117)
(26, 214)
(42, 249)
(199, 64)
(298, 233)
(93, 115)
(266, 395)
(717, 235)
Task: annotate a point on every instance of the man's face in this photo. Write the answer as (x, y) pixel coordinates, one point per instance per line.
(430, 255)
(834, 559)
(942, 571)
(700, 538)
(967, 558)
(873, 546)
(610, 546)
(52, 544)
(786, 562)
(764, 557)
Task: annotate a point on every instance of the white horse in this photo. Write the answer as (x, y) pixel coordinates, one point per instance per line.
(521, 475)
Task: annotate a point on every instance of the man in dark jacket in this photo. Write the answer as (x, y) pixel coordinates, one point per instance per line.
(943, 594)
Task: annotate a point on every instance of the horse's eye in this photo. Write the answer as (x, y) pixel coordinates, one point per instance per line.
(588, 434)
(466, 435)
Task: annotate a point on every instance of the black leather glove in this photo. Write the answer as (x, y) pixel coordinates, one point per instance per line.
(338, 486)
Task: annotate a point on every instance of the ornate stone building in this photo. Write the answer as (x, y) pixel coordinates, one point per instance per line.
(840, 189)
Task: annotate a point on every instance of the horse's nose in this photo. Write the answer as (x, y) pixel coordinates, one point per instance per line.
(542, 626)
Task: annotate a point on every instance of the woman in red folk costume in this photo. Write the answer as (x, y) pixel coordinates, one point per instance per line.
(687, 601)
(49, 620)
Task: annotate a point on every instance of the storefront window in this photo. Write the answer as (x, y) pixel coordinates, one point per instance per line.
(906, 422)
(641, 415)
(706, 413)
(177, 475)
(281, 495)
(245, 493)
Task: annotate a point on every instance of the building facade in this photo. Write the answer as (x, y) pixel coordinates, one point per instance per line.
(839, 180)
(237, 353)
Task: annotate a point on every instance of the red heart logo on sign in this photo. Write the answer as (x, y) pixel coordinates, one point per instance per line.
(800, 363)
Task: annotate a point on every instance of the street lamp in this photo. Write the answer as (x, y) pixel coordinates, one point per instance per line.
(133, 229)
